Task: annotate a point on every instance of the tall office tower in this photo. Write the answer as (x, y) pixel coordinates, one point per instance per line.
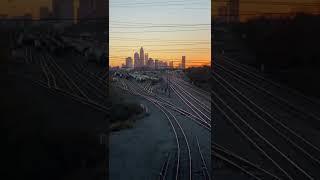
(223, 13)
(183, 62)
(86, 9)
(136, 60)
(151, 63)
(101, 8)
(44, 12)
(233, 7)
(146, 58)
(156, 64)
(129, 62)
(63, 9)
(171, 64)
(141, 57)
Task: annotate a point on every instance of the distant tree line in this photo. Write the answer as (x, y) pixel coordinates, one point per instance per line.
(199, 76)
(289, 42)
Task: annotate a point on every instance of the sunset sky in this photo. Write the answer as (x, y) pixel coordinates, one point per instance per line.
(21, 7)
(259, 7)
(167, 30)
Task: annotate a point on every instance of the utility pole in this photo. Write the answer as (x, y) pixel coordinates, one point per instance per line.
(169, 85)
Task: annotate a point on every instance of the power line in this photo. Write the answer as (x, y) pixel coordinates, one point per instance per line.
(157, 45)
(160, 31)
(155, 3)
(146, 27)
(156, 24)
(56, 19)
(270, 2)
(262, 13)
(167, 40)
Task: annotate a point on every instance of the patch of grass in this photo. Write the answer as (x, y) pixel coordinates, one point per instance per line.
(123, 113)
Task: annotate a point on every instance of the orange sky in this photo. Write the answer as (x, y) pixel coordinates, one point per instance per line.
(21, 7)
(195, 45)
(272, 6)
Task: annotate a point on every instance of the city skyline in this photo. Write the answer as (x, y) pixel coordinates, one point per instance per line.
(142, 60)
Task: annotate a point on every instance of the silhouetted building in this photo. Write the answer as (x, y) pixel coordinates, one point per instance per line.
(150, 63)
(183, 62)
(102, 8)
(146, 58)
(3, 16)
(44, 13)
(162, 65)
(156, 64)
(222, 14)
(171, 64)
(233, 10)
(86, 9)
(91, 9)
(141, 57)
(27, 16)
(129, 63)
(63, 9)
(136, 60)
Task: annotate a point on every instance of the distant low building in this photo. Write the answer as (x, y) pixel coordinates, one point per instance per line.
(183, 62)
(171, 64)
(150, 63)
(44, 13)
(156, 64)
(129, 62)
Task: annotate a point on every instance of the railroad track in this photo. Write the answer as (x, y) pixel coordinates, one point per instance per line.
(182, 166)
(292, 122)
(233, 160)
(193, 100)
(306, 108)
(284, 91)
(240, 163)
(294, 156)
(249, 134)
(56, 80)
(205, 170)
(204, 94)
(192, 106)
(297, 141)
(182, 111)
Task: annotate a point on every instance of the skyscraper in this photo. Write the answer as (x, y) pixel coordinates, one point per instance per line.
(101, 8)
(63, 9)
(146, 58)
(136, 60)
(129, 63)
(156, 64)
(150, 63)
(87, 9)
(171, 64)
(233, 7)
(44, 12)
(183, 62)
(141, 57)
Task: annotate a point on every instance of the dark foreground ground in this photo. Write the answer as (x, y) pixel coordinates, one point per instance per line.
(47, 135)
